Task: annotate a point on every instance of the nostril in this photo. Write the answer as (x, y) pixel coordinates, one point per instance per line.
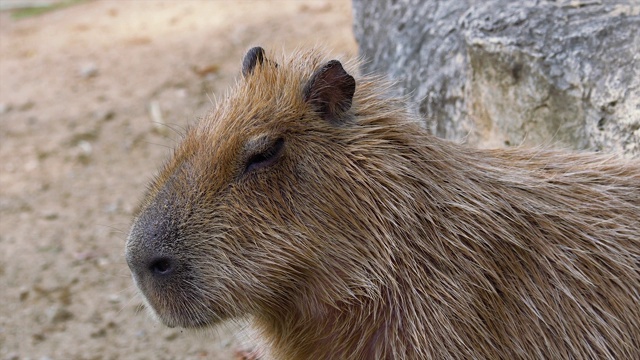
(161, 266)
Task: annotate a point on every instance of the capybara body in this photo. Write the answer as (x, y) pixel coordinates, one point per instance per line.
(316, 205)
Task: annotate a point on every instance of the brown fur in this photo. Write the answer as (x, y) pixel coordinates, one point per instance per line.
(371, 239)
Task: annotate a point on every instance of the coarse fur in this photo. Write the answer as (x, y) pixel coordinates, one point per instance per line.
(368, 238)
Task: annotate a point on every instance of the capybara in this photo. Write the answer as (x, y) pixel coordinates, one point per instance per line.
(315, 205)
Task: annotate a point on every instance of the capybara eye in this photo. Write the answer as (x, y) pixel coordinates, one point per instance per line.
(266, 157)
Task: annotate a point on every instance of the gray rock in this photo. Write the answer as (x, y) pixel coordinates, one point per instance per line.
(500, 72)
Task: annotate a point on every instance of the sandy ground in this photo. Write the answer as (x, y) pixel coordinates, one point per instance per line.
(78, 145)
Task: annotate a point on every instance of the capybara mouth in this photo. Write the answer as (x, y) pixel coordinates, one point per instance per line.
(178, 320)
(176, 306)
(173, 312)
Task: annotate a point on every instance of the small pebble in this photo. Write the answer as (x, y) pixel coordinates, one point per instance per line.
(104, 115)
(58, 314)
(102, 262)
(88, 70)
(112, 207)
(85, 147)
(171, 336)
(51, 216)
(99, 333)
(24, 294)
(84, 255)
(4, 108)
(27, 105)
(159, 125)
(31, 165)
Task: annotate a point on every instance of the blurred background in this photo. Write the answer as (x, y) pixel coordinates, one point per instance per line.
(89, 94)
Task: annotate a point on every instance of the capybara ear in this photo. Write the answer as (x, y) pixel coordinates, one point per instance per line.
(330, 91)
(254, 56)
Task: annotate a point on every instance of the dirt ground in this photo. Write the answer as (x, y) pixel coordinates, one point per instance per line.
(78, 143)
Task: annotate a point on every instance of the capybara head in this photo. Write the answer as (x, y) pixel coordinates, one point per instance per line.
(243, 218)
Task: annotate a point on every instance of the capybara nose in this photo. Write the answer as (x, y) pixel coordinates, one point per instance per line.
(161, 266)
(150, 265)
(149, 252)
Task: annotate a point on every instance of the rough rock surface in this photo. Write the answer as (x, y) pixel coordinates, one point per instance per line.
(501, 72)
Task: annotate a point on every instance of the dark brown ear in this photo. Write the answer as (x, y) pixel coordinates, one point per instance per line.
(330, 91)
(251, 59)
